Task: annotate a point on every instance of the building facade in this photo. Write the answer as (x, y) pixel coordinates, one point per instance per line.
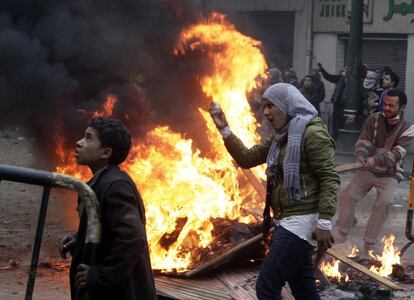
(301, 33)
(388, 37)
(281, 25)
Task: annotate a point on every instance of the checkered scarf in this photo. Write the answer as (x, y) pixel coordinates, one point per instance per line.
(299, 112)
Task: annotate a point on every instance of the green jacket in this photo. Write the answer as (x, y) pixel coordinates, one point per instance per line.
(319, 180)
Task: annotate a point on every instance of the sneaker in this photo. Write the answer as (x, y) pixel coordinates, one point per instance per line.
(338, 235)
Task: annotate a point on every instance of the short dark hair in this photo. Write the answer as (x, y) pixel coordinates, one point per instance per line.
(402, 97)
(387, 69)
(394, 78)
(113, 134)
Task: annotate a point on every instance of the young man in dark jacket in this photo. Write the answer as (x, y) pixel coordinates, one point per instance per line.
(122, 269)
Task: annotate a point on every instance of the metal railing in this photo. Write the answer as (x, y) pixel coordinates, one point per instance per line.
(51, 180)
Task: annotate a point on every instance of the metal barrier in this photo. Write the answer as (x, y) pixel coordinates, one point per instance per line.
(51, 180)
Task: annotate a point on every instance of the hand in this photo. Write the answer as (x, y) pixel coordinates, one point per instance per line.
(81, 276)
(324, 238)
(370, 162)
(218, 116)
(350, 119)
(362, 160)
(319, 65)
(66, 244)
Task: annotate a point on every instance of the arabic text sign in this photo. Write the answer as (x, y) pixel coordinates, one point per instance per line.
(401, 8)
(380, 16)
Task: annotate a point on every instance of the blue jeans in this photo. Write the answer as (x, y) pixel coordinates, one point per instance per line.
(289, 260)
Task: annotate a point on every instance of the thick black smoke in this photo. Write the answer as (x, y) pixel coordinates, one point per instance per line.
(61, 57)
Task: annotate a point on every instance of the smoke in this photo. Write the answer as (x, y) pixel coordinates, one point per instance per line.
(59, 58)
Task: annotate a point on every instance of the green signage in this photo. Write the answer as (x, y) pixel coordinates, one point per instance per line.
(402, 9)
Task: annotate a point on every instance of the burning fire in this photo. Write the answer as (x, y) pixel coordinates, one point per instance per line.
(354, 252)
(68, 163)
(184, 192)
(108, 106)
(236, 66)
(390, 256)
(331, 270)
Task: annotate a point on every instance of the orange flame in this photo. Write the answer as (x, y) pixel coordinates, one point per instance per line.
(235, 70)
(185, 186)
(390, 256)
(331, 270)
(68, 163)
(108, 106)
(183, 191)
(354, 252)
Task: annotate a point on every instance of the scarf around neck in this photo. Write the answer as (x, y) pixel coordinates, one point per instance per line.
(299, 113)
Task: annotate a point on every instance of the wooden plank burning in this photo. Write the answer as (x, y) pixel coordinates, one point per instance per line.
(363, 269)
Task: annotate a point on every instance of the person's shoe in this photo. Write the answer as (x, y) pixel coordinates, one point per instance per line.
(338, 235)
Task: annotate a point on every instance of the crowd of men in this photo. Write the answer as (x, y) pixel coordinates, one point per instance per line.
(375, 83)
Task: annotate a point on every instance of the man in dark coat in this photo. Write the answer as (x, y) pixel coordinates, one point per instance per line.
(122, 268)
(338, 98)
(318, 85)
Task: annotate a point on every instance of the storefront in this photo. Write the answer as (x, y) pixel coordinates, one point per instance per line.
(388, 38)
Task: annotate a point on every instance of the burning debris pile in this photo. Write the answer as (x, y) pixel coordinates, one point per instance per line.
(346, 278)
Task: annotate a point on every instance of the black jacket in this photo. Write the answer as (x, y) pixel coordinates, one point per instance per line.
(340, 84)
(122, 269)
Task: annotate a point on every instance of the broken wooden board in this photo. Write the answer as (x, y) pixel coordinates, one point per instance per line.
(361, 268)
(241, 284)
(255, 182)
(229, 283)
(225, 257)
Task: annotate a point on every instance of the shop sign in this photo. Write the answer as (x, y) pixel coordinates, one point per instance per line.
(402, 8)
(341, 9)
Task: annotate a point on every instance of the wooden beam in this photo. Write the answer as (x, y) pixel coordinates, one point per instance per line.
(348, 167)
(219, 260)
(255, 182)
(241, 288)
(361, 268)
